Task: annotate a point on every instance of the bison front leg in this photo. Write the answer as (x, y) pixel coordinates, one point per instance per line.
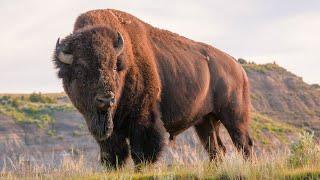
(114, 151)
(147, 142)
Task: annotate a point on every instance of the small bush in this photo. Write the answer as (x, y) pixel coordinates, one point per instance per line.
(52, 133)
(38, 97)
(76, 133)
(305, 151)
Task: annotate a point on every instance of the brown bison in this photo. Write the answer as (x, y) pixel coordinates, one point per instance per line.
(135, 83)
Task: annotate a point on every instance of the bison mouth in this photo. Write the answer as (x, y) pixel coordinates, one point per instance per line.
(102, 125)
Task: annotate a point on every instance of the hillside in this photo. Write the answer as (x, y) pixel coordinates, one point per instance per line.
(281, 95)
(38, 126)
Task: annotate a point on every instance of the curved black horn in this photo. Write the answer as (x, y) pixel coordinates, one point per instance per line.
(62, 56)
(57, 44)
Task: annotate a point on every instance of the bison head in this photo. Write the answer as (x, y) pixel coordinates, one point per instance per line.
(92, 66)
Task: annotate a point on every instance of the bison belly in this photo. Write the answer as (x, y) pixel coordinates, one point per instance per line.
(185, 91)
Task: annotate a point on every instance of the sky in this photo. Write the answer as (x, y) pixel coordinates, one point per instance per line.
(285, 31)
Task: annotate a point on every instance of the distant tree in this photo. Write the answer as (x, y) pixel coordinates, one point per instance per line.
(242, 61)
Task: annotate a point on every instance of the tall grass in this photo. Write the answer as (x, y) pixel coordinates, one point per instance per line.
(300, 161)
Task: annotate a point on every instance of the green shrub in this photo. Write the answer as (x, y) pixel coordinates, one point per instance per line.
(52, 133)
(262, 68)
(15, 103)
(76, 133)
(38, 97)
(305, 151)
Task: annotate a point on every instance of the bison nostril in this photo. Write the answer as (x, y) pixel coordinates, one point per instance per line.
(107, 101)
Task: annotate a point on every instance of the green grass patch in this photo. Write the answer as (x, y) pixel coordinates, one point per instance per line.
(302, 173)
(33, 109)
(263, 68)
(262, 125)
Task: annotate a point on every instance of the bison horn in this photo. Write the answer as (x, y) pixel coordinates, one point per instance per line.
(119, 46)
(63, 57)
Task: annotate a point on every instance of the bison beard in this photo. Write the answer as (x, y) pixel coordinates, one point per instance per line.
(102, 126)
(157, 82)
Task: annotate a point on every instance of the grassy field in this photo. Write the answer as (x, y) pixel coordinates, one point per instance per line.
(301, 161)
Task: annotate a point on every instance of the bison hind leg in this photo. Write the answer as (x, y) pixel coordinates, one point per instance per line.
(237, 127)
(208, 132)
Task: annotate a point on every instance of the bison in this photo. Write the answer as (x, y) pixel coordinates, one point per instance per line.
(136, 84)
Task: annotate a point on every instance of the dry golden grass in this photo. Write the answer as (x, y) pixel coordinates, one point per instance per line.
(275, 165)
(268, 166)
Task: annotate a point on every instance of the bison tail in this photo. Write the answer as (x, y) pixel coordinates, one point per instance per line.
(246, 96)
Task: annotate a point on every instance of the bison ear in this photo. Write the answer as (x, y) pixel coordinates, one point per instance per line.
(119, 44)
(63, 52)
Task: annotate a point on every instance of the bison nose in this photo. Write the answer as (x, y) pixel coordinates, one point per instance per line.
(105, 101)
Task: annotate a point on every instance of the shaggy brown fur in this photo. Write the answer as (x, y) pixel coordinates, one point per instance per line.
(163, 83)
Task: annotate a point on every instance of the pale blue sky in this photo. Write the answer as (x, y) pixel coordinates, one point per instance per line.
(285, 31)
